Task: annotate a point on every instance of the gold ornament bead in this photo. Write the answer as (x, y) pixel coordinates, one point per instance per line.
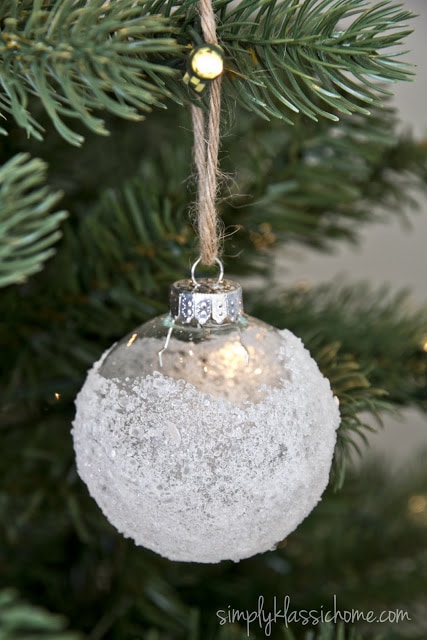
(205, 63)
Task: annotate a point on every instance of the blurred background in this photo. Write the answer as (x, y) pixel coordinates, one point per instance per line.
(394, 253)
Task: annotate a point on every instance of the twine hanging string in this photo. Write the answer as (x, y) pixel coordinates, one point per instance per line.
(206, 148)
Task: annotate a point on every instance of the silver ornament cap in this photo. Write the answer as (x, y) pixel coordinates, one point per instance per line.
(208, 300)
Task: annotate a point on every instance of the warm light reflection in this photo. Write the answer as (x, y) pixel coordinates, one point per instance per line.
(232, 358)
(303, 285)
(417, 504)
(425, 346)
(132, 339)
(207, 63)
(57, 396)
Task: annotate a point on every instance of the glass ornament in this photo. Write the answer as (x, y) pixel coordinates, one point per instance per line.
(206, 434)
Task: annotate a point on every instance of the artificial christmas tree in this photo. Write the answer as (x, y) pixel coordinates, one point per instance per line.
(310, 143)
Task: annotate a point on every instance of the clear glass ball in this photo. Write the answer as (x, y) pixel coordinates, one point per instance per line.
(207, 441)
(234, 361)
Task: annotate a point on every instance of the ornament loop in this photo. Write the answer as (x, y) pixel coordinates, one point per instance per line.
(193, 272)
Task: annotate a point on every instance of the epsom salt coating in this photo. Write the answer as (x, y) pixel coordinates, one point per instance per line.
(206, 434)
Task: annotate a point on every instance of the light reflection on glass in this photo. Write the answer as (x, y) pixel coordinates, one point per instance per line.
(235, 361)
(132, 339)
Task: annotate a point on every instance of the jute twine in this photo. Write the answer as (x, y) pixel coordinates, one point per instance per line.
(206, 130)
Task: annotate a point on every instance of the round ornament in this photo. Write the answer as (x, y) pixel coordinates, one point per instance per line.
(206, 434)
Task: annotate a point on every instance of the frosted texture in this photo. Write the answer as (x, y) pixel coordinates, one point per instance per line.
(202, 478)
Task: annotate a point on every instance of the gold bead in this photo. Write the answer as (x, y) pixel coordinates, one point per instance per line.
(205, 63)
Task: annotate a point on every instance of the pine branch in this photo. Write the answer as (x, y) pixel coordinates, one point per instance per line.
(371, 371)
(298, 52)
(382, 331)
(80, 58)
(288, 57)
(281, 57)
(129, 247)
(314, 184)
(142, 230)
(320, 183)
(22, 621)
(378, 544)
(357, 398)
(28, 229)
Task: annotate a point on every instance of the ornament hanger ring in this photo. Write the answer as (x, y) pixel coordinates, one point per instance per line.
(193, 271)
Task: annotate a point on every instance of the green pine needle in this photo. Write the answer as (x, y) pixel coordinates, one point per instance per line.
(369, 344)
(22, 621)
(28, 229)
(320, 58)
(318, 184)
(105, 57)
(282, 58)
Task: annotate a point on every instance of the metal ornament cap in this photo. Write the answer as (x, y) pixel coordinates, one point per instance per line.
(209, 301)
